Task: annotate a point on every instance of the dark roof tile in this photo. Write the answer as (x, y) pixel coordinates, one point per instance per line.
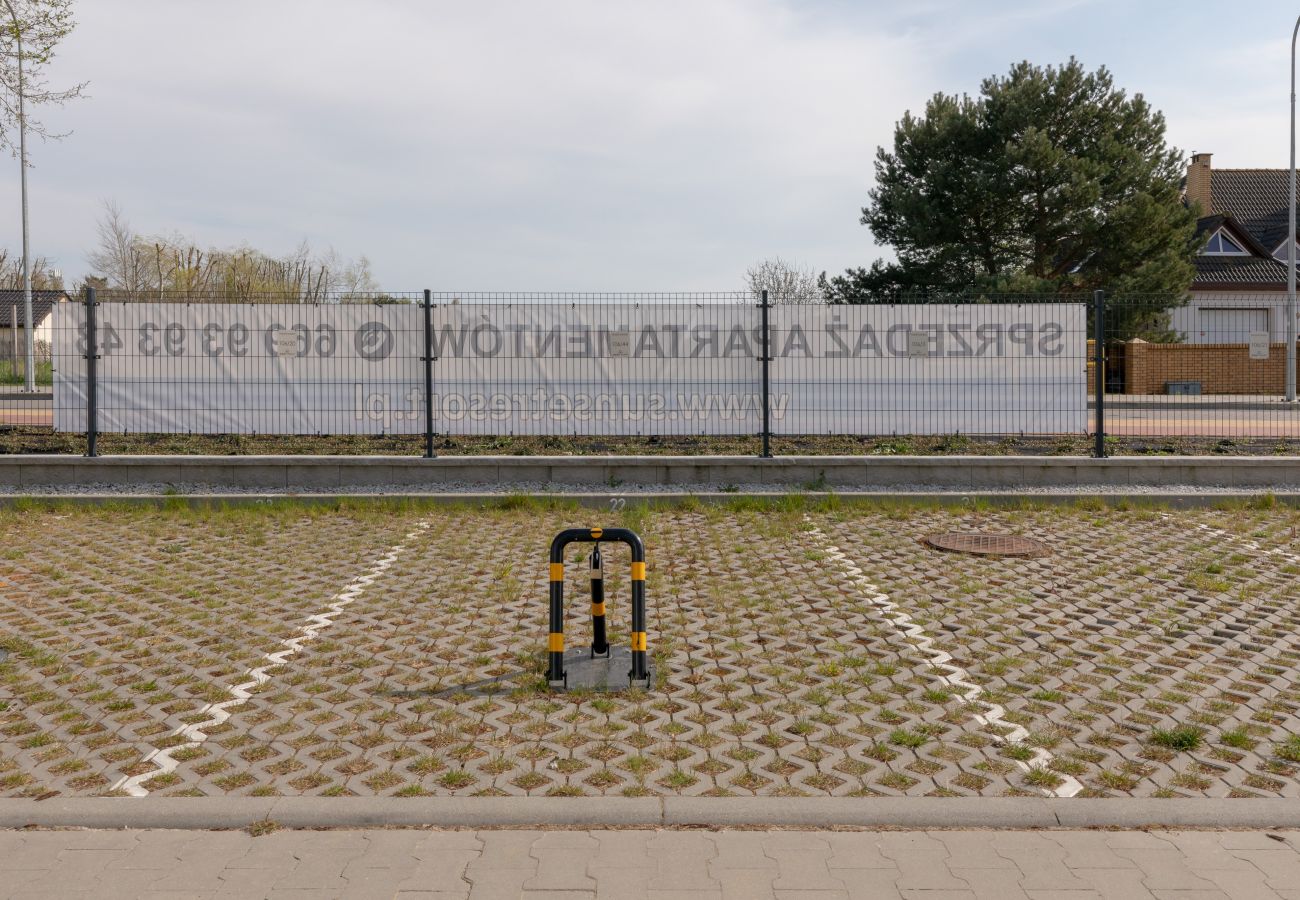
(11, 305)
(1254, 197)
(1211, 270)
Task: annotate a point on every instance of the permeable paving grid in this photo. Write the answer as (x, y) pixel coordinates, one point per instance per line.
(799, 650)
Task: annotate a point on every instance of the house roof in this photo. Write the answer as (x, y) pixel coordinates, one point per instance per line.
(1207, 225)
(11, 305)
(1251, 203)
(1225, 271)
(1254, 197)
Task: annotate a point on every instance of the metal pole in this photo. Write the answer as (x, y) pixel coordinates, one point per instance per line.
(1290, 253)
(640, 667)
(1099, 370)
(29, 368)
(767, 394)
(555, 636)
(599, 641)
(428, 376)
(92, 375)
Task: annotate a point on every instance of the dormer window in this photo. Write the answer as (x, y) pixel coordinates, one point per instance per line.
(1280, 253)
(1222, 244)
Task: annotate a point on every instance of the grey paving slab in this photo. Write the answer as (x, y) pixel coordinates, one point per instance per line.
(723, 864)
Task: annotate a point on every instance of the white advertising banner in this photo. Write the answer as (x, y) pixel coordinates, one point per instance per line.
(970, 368)
(243, 368)
(604, 370)
(556, 369)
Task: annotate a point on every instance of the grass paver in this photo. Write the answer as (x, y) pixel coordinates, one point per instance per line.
(1153, 653)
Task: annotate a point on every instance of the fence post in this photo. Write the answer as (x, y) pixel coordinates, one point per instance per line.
(428, 375)
(92, 375)
(766, 359)
(1099, 370)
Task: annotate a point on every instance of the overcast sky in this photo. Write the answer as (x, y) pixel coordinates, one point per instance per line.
(576, 144)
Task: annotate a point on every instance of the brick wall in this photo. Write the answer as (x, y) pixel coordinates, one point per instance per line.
(1220, 368)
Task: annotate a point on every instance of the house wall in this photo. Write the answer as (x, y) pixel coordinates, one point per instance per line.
(1220, 368)
(44, 332)
(1188, 321)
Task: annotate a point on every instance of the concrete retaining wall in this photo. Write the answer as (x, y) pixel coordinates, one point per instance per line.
(338, 473)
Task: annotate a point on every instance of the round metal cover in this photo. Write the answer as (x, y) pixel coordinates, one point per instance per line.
(988, 544)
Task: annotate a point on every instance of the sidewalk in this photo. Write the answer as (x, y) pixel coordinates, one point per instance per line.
(652, 865)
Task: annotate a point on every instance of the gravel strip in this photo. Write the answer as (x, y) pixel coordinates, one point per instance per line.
(149, 489)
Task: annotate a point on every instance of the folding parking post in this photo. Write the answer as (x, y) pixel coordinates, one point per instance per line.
(599, 643)
(639, 671)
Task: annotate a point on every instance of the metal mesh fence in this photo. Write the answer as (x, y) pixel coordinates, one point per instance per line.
(1179, 374)
(1213, 366)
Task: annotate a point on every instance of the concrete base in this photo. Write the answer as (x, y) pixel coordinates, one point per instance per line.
(608, 673)
(326, 474)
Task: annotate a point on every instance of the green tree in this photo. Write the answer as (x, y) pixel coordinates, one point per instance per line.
(1051, 180)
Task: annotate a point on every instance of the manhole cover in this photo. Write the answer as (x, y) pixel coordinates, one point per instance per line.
(988, 544)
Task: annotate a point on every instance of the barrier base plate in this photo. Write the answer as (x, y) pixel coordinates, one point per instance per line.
(600, 673)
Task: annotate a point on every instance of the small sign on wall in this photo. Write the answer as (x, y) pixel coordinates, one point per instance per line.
(285, 343)
(1259, 345)
(918, 344)
(620, 343)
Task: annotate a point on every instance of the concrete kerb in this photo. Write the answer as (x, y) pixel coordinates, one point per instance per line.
(931, 813)
(998, 499)
(339, 473)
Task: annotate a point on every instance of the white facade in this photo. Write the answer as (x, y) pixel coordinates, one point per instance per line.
(1228, 317)
(44, 332)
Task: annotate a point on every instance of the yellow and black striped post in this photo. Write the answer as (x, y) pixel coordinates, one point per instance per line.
(555, 640)
(599, 643)
(640, 670)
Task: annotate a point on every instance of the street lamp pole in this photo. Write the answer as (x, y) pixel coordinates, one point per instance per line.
(29, 368)
(1290, 253)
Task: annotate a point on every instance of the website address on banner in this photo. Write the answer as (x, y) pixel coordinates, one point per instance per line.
(540, 404)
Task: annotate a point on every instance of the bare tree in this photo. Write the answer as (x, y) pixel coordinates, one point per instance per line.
(119, 258)
(785, 281)
(44, 276)
(134, 267)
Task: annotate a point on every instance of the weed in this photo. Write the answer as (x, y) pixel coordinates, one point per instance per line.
(1289, 750)
(1183, 738)
(904, 738)
(1018, 752)
(1043, 778)
(263, 827)
(1237, 737)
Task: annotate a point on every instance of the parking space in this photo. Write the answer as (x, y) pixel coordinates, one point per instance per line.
(800, 650)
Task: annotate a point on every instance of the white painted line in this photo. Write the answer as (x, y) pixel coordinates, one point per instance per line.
(259, 676)
(949, 673)
(1244, 542)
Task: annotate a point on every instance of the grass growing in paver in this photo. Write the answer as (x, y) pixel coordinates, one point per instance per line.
(1182, 738)
(776, 676)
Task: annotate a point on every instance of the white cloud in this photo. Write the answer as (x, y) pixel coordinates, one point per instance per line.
(565, 145)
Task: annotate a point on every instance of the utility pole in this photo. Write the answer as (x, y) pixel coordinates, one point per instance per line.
(29, 368)
(1290, 253)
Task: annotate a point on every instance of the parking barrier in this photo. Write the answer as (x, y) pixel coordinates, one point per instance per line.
(639, 674)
